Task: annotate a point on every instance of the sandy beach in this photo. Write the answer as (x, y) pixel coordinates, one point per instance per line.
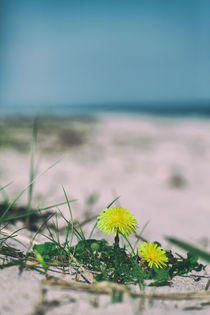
(158, 166)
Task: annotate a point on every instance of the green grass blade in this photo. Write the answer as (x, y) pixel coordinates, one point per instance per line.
(113, 201)
(81, 231)
(31, 177)
(22, 192)
(67, 229)
(35, 211)
(92, 231)
(12, 235)
(5, 200)
(190, 248)
(57, 205)
(38, 232)
(77, 234)
(94, 227)
(57, 228)
(5, 186)
(70, 212)
(43, 224)
(49, 238)
(128, 243)
(10, 205)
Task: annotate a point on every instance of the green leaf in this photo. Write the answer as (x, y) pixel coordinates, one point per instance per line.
(189, 247)
(46, 250)
(40, 259)
(161, 277)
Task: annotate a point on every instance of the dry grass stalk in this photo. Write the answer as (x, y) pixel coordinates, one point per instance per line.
(88, 274)
(20, 238)
(107, 288)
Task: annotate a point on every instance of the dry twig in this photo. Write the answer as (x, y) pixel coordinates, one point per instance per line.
(107, 288)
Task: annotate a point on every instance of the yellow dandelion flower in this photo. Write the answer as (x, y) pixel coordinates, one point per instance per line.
(116, 219)
(153, 254)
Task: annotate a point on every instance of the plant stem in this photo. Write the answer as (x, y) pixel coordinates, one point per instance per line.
(116, 258)
(116, 241)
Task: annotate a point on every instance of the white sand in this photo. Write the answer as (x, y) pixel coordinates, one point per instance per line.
(136, 158)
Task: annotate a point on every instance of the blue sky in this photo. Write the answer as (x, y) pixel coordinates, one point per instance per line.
(77, 52)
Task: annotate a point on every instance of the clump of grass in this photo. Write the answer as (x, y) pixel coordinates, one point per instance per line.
(106, 262)
(110, 262)
(98, 257)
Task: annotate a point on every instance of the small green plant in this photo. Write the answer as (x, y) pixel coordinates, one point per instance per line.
(110, 262)
(107, 262)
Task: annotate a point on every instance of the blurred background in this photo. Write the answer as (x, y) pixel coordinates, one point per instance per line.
(56, 55)
(121, 89)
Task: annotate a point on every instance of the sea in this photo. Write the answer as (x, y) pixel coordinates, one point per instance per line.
(182, 109)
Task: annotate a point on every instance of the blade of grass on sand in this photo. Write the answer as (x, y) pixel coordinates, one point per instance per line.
(38, 232)
(190, 248)
(57, 228)
(5, 186)
(70, 212)
(18, 238)
(76, 232)
(71, 225)
(93, 229)
(81, 231)
(5, 195)
(31, 176)
(22, 192)
(35, 211)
